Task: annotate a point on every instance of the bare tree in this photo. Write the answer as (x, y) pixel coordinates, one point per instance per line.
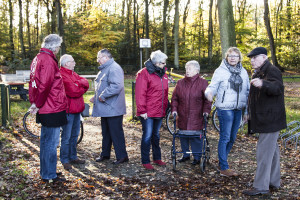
(28, 26)
(226, 23)
(270, 34)
(176, 34)
(11, 35)
(166, 4)
(21, 30)
(185, 15)
(210, 32)
(60, 26)
(147, 25)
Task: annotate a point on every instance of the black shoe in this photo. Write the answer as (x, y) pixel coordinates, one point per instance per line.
(102, 158)
(195, 162)
(183, 159)
(122, 160)
(254, 192)
(55, 180)
(274, 188)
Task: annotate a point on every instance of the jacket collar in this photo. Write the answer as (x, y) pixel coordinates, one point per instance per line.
(262, 70)
(49, 52)
(108, 63)
(68, 71)
(191, 79)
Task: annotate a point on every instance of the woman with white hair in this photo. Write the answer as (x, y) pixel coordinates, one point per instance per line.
(230, 85)
(151, 95)
(190, 105)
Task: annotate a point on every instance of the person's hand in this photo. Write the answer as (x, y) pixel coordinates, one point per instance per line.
(144, 116)
(92, 99)
(33, 109)
(209, 96)
(174, 113)
(257, 82)
(205, 114)
(100, 99)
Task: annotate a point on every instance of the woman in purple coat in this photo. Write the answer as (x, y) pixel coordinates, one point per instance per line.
(190, 105)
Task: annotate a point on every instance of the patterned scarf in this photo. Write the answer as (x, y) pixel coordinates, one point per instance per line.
(235, 79)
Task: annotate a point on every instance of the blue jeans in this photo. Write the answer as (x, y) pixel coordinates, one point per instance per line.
(48, 151)
(150, 137)
(69, 136)
(229, 125)
(196, 146)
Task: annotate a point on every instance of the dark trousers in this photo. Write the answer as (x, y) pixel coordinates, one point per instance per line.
(113, 134)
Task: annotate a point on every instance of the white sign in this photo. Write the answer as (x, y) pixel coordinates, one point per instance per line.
(145, 43)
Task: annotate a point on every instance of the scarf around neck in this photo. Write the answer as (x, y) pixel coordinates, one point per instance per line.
(235, 79)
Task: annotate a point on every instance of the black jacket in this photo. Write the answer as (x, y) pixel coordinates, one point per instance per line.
(266, 105)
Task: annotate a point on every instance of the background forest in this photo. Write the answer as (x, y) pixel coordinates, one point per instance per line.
(184, 30)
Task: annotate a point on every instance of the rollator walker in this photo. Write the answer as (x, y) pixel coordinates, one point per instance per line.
(205, 150)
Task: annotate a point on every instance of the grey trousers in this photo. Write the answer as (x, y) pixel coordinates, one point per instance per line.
(268, 161)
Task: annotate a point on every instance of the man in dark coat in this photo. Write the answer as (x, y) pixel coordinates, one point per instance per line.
(267, 116)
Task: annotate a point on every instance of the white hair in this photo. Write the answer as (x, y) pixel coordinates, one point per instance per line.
(193, 63)
(52, 41)
(158, 57)
(64, 59)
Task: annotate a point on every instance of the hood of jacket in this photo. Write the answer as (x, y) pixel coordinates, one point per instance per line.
(151, 68)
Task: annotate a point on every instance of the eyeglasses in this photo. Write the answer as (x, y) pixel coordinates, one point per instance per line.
(162, 63)
(72, 61)
(100, 57)
(233, 56)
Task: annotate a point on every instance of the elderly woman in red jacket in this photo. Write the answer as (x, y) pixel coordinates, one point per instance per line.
(75, 87)
(190, 105)
(151, 93)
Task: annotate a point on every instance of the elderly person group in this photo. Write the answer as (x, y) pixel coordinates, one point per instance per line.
(56, 95)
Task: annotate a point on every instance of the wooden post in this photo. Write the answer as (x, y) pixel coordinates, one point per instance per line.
(4, 104)
(133, 100)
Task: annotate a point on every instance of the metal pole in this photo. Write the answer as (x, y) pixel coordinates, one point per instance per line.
(141, 57)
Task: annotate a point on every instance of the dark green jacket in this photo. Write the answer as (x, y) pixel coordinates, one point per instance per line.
(266, 105)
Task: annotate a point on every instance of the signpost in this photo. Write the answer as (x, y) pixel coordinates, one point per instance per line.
(144, 43)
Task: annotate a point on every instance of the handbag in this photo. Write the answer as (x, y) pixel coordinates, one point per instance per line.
(86, 111)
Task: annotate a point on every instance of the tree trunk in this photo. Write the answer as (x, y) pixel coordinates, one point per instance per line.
(185, 14)
(210, 33)
(176, 34)
(147, 25)
(37, 23)
(270, 34)
(53, 18)
(21, 30)
(135, 49)
(226, 23)
(165, 29)
(60, 26)
(28, 26)
(11, 33)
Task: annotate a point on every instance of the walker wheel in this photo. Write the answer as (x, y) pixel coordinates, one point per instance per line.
(202, 164)
(174, 161)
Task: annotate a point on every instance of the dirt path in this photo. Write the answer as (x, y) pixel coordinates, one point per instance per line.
(130, 181)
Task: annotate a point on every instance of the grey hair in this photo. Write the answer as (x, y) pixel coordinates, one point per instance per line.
(105, 52)
(195, 64)
(52, 41)
(158, 57)
(64, 59)
(233, 49)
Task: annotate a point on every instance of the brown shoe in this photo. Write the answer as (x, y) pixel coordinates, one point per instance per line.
(67, 166)
(77, 161)
(228, 173)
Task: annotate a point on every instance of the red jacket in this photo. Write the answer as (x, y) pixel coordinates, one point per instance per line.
(151, 93)
(46, 88)
(189, 101)
(75, 87)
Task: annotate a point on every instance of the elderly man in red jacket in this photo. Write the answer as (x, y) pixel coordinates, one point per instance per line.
(48, 98)
(190, 105)
(75, 87)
